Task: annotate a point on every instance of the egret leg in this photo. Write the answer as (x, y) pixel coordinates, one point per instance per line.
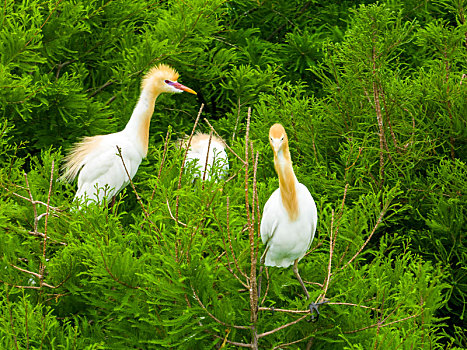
(295, 270)
(314, 307)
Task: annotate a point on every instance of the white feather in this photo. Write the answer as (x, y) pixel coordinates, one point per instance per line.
(288, 240)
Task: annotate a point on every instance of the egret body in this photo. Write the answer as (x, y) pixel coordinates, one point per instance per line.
(207, 155)
(95, 160)
(290, 217)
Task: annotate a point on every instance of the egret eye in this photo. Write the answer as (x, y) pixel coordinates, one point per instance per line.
(167, 81)
(282, 138)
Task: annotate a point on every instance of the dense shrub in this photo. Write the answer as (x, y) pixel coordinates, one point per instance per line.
(373, 97)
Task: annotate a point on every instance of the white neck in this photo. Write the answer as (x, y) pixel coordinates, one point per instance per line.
(137, 127)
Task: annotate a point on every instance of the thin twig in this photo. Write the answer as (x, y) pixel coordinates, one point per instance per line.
(207, 159)
(238, 118)
(44, 245)
(184, 160)
(382, 325)
(282, 327)
(230, 240)
(171, 215)
(228, 147)
(36, 221)
(138, 198)
(380, 218)
(214, 317)
(162, 163)
(281, 346)
(29, 200)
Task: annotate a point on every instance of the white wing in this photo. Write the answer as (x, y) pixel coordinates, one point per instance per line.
(103, 174)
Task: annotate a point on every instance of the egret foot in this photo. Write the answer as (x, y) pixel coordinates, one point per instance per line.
(314, 307)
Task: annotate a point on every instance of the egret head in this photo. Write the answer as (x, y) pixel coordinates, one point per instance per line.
(277, 137)
(163, 78)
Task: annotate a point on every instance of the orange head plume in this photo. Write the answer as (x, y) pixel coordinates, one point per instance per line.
(163, 78)
(278, 138)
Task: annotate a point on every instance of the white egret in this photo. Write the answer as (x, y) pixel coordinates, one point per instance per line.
(96, 160)
(209, 156)
(290, 217)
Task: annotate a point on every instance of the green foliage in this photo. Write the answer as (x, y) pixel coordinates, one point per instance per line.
(373, 98)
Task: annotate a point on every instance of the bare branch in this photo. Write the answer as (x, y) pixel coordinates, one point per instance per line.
(184, 159)
(228, 147)
(380, 324)
(214, 317)
(207, 158)
(171, 215)
(166, 142)
(230, 240)
(282, 327)
(380, 218)
(44, 245)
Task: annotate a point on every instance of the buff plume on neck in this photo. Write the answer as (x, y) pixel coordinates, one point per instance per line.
(283, 165)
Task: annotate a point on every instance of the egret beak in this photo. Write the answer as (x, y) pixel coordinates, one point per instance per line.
(276, 145)
(180, 87)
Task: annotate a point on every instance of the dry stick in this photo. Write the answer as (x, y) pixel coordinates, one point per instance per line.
(207, 158)
(282, 327)
(332, 244)
(162, 164)
(39, 276)
(28, 199)
(230, 240)
(184, 159)
(306, 311)
(177, 199)
(380, 218)
(138, 198)
(238, 118)
(171, 215)
(228, 147)
(379, 117)
(11, 321)
(267, 287)
(36, 220)
(251, 234)
(243, 345)
(44, 245)
(40, 234)
(106, 267)
(43, 24)
(214, 317)
(382, 325)
(233, 176)
(281, 346)
(254, 197)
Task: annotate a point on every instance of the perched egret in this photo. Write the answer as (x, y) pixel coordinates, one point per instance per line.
(101, 170)
(290, 217)
(217, 161)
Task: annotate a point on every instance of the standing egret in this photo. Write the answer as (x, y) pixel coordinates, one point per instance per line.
(101, 170)
(209, 156)
(290, 217)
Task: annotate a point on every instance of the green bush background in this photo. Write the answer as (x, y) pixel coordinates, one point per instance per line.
(374, 99)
